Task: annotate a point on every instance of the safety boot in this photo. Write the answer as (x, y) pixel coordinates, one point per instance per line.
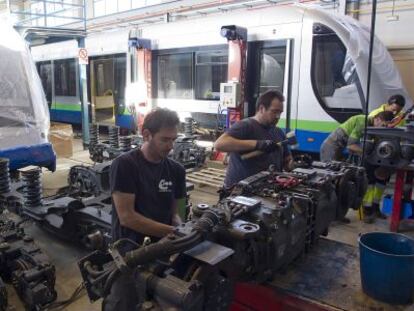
(369, 216)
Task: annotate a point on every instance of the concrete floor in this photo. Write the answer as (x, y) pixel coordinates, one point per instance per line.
(65, 255)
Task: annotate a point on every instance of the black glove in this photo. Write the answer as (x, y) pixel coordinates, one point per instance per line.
(266, 145)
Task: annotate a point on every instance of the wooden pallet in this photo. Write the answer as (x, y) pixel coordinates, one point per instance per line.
(212, 177)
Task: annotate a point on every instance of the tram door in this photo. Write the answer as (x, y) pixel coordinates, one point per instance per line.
(269, 69)
(46, 76)
(103, 91)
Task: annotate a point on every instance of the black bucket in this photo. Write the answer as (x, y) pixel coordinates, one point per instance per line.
(387, 266)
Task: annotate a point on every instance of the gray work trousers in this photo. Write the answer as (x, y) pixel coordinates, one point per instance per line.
(330, 152)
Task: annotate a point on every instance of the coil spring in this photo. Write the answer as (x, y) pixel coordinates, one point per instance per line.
(125, 143)
(6, 225)
(32, 191)
(93, 134)
(4, 175)
(188, 127)
(113, 132)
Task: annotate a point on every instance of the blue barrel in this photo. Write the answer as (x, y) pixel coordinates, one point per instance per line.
(387, 266)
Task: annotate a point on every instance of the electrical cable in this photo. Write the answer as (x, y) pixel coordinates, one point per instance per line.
(60, 305)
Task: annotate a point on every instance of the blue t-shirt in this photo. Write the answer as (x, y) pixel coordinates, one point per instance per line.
(239, 169)
(155, 185)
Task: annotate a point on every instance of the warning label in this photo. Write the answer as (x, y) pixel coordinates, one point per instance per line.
(83, 56)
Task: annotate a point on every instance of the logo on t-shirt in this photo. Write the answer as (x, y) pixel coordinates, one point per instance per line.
(164, 186)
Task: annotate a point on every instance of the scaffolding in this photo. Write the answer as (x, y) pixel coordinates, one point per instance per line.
(48, 21)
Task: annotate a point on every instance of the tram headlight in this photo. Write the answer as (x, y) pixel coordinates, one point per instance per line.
(233, 32)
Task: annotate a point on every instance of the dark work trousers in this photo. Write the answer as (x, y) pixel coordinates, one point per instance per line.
(123, 295)
(330, 152)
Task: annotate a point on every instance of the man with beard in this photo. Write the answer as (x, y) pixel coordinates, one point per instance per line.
(256, 133)
(146, 189)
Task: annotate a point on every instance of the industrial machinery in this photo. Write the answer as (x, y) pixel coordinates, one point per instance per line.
(188, 153)
(100, 151)
(24, 265)
(390, 147)
(80, 212)
(185, 149)
(267, 221)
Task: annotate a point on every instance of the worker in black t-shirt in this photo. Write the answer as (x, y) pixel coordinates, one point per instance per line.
(146, 189)
(256, 133)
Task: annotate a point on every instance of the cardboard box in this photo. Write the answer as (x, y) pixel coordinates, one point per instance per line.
(61, 138)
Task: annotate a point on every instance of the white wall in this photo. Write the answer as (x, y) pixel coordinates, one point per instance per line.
(392, 32)
(404, 59)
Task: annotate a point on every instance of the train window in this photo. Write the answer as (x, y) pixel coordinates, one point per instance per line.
(45, 73)
(175, 76)
(65, 77)
(272, 69)
(211, 70)
(120, 81)
(104, 73)
(334, 76)
(268, 67)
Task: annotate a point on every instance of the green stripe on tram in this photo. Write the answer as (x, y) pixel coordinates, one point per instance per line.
(310, 125)
(67, 107)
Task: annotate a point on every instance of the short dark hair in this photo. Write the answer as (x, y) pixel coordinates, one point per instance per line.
(160, 118)
(266, 99)
(386, 116)
(397, 99)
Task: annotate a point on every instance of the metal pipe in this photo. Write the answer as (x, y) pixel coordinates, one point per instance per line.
(371, 48)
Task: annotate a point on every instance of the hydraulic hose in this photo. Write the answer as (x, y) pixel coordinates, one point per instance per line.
(109, 281)
(167, 247)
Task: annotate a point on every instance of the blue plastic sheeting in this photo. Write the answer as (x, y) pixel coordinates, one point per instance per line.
(22, 156)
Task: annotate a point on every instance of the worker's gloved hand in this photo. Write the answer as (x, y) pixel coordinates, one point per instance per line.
(266, 145)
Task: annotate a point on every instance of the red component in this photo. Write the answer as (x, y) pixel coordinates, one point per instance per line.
(251, 297)
(217, 156)
(399, 195)
(237, 72)
(286, 181)
(234, 116)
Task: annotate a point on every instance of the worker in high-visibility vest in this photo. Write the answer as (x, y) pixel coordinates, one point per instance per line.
(378, 177)
(348, 136)
(395, 104)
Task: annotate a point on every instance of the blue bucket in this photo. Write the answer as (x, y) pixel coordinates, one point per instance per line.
(387, 266)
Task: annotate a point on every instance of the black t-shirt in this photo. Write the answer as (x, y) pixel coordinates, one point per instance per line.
(247, 129)
(155, 185)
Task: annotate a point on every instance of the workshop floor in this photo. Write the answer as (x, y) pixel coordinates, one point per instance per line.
(65, 256)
